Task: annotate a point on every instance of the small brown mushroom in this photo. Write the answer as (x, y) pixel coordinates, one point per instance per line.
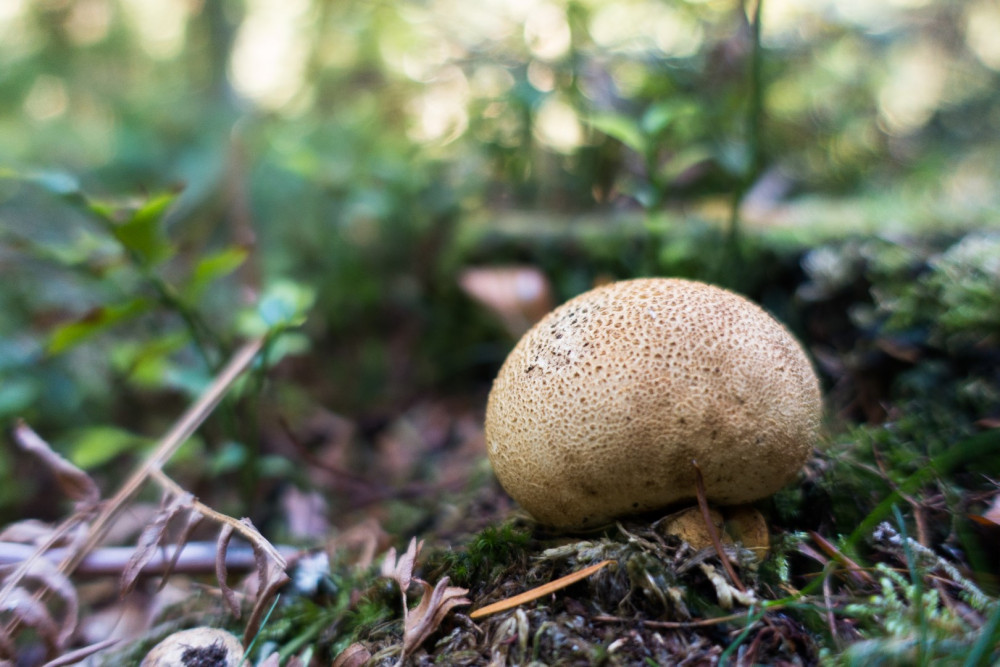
(602, 406)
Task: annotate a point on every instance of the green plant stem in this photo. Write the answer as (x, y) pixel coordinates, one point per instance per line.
(199, 331)
(986, 644)
(752, 618)
(918, 584)
(192, 320)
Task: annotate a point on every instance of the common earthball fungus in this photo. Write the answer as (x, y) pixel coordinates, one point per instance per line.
(602, 406)
(199, 647)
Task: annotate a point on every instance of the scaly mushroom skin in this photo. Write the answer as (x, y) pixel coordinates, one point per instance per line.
(601, 407)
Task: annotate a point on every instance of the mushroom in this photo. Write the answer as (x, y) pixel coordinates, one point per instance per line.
(201, 647)
(601, 408)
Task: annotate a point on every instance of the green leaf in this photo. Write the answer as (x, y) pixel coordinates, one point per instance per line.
(96, 321)
(658, 117)
(94, 446)
(148, 363)
(213, 267)
(622, 128)
(143, 233)
(17, 395)
(283, 305)
(57, 182)
(232, 456)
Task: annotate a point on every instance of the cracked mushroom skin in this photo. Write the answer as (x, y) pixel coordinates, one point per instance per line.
(601, 407)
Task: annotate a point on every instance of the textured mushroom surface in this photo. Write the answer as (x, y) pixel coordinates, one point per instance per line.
(601, 407)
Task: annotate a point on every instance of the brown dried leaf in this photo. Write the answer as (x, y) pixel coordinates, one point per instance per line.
(402, 570)
(28, 531)
(49, 577)
(75, 483)
(434, 605)
(992, 513)
(354, 655)
(304, 513)
(193, 519)
(81, 654)
(271, 576)
(150, 539)
(31, 612)
(7, 651)
(359, 543)
(221, 574)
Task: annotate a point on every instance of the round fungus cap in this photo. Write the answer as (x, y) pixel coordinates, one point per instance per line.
(602, 406)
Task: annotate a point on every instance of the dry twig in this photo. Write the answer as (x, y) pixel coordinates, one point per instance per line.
(540, 591)
(96, 518)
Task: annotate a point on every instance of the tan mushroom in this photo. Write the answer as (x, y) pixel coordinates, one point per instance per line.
(196, 646)
(602, 406)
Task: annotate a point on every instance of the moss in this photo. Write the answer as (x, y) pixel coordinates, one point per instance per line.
(486, 555)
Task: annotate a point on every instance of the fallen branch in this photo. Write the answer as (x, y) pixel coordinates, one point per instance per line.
(192, 558)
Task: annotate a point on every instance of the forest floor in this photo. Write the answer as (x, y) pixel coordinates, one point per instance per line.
(883, 550)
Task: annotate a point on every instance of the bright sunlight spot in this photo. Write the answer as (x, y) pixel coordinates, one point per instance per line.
(161, 25)
(269, 57)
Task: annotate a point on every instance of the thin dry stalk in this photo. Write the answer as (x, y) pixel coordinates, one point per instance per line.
(836, 554)
(710, 526)
(98, 517)
(828, 600)
(541, 591)
(167, 447)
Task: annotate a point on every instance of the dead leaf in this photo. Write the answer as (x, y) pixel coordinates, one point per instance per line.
(273, 660)
(991, 517)
(193, 520)
(50, 578)
(271, 576)
(359, 543)
(305, 513)
(221, 574)
(151, 538)
(28, 531)
(354, 655)
(434, 606)
(32, 613)
(81, 654)
(402, 570)
(72, 481)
